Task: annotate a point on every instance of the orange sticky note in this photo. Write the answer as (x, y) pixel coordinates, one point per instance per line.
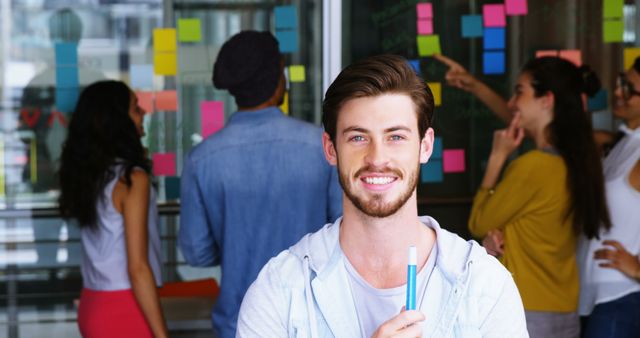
(543, 53)
(573, 55)
(167, 100)
(145, 101)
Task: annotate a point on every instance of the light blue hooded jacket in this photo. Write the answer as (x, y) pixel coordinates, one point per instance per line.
(305, 292)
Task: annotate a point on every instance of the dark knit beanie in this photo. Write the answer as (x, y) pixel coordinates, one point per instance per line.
(248, 65)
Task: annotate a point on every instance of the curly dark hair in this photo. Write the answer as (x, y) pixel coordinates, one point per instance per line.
(101, 134)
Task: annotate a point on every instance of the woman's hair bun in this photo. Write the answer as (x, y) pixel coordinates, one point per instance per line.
(590, 81)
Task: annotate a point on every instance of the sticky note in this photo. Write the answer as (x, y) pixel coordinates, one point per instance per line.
(145, 101)
(285, 103)
(415, 64)
(297, 73)
(494, 16)
(471, 26)
(164, 40)
(66, 53)
(493, 62)
(172, 188)
(630, 55)
(425, 26)
(165, 63)
(612, 9)
(598, 101)
(436, 90)
(288, 40)
(437, 148)
(431, 172)
(515, 7)
(211, 117)
(494, 38)
(424, 10)
(573, 55)
(189, 30)
(453, 161)
(167, 100)
(67, 77)
(428, 45)
(66, 99)
(613, 30)
(285, 17)
(164, 164)
(141, 76)
(543, 53)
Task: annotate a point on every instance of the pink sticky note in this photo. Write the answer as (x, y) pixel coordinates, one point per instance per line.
(573, 55)
(543, 53)
(167, 100)
(453, 161)
(515, 7)
(424, 10)
(164, 164)
(425, 27)
(493, 16)
(145, 101)
(211, 117)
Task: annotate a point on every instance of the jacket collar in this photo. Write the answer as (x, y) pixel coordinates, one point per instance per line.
(252, 116)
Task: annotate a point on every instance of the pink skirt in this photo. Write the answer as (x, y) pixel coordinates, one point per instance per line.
(111, 314)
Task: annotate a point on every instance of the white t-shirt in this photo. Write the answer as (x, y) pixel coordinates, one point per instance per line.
(376, 306)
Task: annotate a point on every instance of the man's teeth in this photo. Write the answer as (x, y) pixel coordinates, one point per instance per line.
(378, 180)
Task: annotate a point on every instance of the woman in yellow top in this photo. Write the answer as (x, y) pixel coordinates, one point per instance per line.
(547, 196)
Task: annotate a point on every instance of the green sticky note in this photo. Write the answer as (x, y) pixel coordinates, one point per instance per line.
(189, 30)
(613, 30)
(428, 45)
(612, 9)
(296, 73)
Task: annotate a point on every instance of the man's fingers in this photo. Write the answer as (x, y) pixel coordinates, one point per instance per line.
(614, 244)
(447, 61)
(604, 254)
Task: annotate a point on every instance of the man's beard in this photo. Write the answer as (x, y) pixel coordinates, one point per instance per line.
(375, 206)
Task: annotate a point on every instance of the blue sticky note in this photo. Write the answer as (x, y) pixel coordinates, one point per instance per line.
(288, 41)
(66, 53)
(598, 101)
(415, 64)
(286, 17)
(431, 172)
(66, 99)
(471, 26)
(172, 187)
(67, 77)
(494, 38)
(437, 148)
(141, 76)
(493, 62)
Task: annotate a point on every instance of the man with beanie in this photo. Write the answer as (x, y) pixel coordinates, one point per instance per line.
(258, 185)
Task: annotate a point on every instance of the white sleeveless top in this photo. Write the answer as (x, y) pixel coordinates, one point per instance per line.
(104, 254)
(600, 285)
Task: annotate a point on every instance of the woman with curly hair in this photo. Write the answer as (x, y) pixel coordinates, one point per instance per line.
(105, 185)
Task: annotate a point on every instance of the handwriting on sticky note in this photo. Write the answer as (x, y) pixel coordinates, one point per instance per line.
(164, 164)
(453, 160)
(211, 117)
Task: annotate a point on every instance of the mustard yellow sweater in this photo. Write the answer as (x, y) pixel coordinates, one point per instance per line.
(529, 205)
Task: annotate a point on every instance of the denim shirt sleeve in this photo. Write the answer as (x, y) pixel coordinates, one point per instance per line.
(195, 236)
(335, 197)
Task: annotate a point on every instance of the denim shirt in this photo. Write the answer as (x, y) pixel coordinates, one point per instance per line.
(250, 191)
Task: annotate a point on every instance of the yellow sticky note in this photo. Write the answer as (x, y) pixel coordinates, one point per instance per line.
(189, 30)
(165, 63)
(296, 73)
(436, 90)
(612, 30)
(285, 103)
(630, 55)
(164, 40)
(428, 45)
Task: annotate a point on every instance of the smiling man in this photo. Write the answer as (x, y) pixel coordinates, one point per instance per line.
(349, 278)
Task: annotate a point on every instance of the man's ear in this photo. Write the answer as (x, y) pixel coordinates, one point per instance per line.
(329, 149)
(426, 146)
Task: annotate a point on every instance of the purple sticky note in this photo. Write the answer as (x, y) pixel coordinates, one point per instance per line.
(515, 7)
(211, 117)
(494, 16)
(424, 10)
(453, 161)
(164, 164)
(425, 26)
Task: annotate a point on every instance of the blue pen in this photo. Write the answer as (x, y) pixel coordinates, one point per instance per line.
(411, 279)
